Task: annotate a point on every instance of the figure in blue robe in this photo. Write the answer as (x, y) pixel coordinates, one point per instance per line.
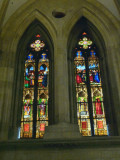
(96, 77)
(44, 82)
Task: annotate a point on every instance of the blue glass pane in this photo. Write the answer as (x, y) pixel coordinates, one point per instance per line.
(41, 68)
(93, 66)
(80, 67)
(31, 68)
(30, 57)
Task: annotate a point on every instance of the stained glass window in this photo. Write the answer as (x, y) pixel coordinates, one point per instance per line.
(100, 126)
(81, 95)
(42, 107)
(89, 93)
(34, 117)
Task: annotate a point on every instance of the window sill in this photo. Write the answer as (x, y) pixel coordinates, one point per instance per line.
(83, 142)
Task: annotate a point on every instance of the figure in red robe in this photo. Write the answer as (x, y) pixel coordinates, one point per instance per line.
(32, 77)
(98, 106)
(79, 78)
(91, 77)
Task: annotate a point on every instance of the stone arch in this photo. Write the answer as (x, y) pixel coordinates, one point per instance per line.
(104, 24)
(108, 27)
(33, 29)
(31, 18)
(97, 14)
(117, 3)
(102, 19)
(17, 28)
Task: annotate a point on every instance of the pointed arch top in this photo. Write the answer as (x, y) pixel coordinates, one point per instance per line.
(99, 16)
(20, 21)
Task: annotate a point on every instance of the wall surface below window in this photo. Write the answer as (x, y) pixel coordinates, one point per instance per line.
(59, 152)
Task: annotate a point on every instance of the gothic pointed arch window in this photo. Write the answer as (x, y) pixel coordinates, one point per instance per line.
(34, 116)
(89, 93)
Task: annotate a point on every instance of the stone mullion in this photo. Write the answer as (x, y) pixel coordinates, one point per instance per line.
(61, 83)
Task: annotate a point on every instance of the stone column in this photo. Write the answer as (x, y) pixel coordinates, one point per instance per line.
(61, 82)
(62, 127)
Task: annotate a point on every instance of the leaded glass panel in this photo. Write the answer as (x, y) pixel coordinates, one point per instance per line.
(35, 92)
(89, 92)
(81, 95)
(100, 126)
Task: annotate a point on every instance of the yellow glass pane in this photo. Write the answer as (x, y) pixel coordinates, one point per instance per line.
(26, 130)
(100, 127)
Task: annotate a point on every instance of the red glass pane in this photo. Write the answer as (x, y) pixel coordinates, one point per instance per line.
(42, 127)
(84, 125)
(26, 127)
(100, 124)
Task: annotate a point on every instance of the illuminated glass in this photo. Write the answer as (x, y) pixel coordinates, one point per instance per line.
(81, 95)
(34, 117)
(37, 45)
(89, 92)
(100, 126)
(85, 43)
(42, 107)
(28, 97)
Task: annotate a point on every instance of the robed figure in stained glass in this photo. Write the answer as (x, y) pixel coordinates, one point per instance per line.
(29, 76)
(35, 86)
(27, 107)
(42, 77)
(98, 106)
(96, 77)
(91, 77)
(42, 107)
(89, 89)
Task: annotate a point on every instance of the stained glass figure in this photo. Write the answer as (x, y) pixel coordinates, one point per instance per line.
(37, 45)
(80, 68)
(35, 92)
(29, 72)
(94, 72)
(27, 114)
(28, 97)
(100, 126)
(85, 43)
(29, 77)
(81, 95)
(42, 107)
(43, 71)
(27, 108)
(89, 89)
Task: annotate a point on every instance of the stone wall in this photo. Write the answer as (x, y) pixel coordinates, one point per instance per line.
(101, 22)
